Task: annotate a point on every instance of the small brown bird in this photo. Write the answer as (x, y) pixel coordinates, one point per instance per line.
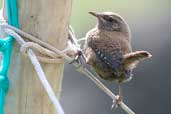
(108, 48)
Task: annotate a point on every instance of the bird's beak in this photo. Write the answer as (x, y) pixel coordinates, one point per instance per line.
(94, 14)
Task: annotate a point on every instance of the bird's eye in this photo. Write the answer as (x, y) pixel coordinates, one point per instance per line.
(109, 19)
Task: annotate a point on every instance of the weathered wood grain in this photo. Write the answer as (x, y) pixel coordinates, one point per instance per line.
(48, 20)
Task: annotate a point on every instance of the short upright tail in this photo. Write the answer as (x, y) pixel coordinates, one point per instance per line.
(131, 59)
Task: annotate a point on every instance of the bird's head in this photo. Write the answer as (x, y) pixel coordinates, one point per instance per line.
(110, 21)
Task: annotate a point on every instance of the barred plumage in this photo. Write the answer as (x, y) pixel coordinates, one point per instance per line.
(108, 48)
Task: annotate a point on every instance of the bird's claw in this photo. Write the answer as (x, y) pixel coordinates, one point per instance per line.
(77, 57)
(79, 60)
(75, 60)
(116, 102)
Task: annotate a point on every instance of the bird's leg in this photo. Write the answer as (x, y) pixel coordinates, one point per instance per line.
(120, 92)
(118, 97)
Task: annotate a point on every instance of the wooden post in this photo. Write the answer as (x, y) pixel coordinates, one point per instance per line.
(47, 20)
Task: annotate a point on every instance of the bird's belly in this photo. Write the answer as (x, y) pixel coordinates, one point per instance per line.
(104, 72)
(108, 74)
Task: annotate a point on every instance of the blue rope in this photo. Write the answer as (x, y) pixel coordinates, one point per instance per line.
(5, 48)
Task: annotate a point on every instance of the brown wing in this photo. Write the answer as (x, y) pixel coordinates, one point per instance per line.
(108, 50)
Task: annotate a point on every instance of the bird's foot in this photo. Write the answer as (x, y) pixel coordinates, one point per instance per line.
(80, 60)
(77, 57)
(116, 102)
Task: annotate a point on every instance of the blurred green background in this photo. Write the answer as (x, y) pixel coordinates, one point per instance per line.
(0, 3)
(150, 90)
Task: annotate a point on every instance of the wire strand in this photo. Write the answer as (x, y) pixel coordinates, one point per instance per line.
(40, 73)
(81, 66)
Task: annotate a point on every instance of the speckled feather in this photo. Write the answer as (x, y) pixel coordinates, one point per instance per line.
(106, 53)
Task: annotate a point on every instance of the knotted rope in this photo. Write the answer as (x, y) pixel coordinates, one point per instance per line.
(38, 69)
(48, 53)
(44, 51)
